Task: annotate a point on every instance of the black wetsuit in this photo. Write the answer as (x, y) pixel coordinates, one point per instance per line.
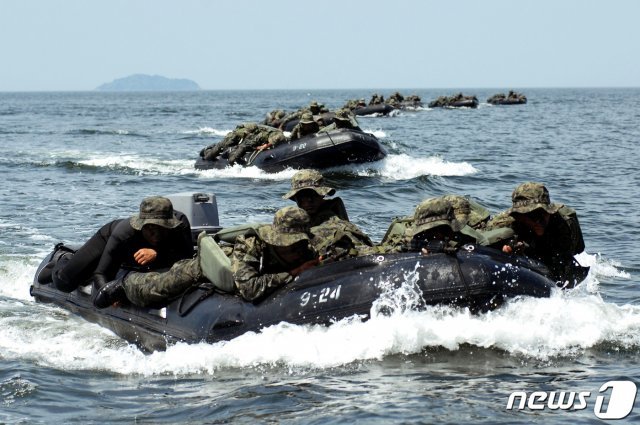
(114, 246)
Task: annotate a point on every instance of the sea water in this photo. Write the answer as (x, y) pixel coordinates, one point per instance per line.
(72, 161)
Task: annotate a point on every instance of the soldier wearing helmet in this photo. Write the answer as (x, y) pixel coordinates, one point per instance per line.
(260, 263)
(453, 219)
(261, 138)
(305, 127)
(542, 230)
(334, 235)
(233, 138)
(343, 119)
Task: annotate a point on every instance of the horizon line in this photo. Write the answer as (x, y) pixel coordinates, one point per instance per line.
(313, 89)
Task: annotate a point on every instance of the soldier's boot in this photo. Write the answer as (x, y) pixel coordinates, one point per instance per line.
(110, 294)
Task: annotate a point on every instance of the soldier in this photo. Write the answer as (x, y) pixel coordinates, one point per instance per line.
(395, 99)
(275, 139)
(351, 104)
(542, 230)
(155, 238)
(234, 138)
(260, 264)
(274, 118)
(260, 137)
(334, 235)
(446, 219)
(317, 108)
(305, 127)
(343, 119)
(376, 99)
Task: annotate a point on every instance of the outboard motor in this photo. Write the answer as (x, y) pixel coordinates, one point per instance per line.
(201, 209)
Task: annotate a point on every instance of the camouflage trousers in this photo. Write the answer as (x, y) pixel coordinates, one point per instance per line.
(156, 289)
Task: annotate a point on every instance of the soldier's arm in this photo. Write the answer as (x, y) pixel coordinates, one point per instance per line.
(246, 264)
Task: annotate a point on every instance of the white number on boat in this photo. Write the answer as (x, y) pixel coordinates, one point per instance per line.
(299, 147)
(323, 296)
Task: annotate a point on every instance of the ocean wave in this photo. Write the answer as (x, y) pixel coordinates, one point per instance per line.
(100, 132)
(405, 167)
(133, 164)
(207, 131)
(121, 164)
(238, 171)
(393, 167)
(569, 323)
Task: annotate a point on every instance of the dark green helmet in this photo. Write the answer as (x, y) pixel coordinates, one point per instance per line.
(290, 226)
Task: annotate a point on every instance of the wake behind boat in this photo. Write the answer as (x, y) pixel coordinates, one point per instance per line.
(320, 150)
(475, 277)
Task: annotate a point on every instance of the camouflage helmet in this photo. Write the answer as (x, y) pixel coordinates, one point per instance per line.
(314, 107)
(308, 179)
(432, 213)
(290, 226)
(531, 196)
(306, 118)
(467, 211)
(155, 210)
(251, 126)
(277, 137)
(343, 115)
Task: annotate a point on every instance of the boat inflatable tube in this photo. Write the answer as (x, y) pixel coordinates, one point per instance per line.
(476, 277)
(380, 109)
(320, 150)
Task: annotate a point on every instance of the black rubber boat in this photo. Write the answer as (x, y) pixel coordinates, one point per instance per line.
(321, 150)
(380, 109)
(475, 277)
(507, 101)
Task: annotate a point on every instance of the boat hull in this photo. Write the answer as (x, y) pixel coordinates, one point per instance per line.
(474, 277)
(321, 150)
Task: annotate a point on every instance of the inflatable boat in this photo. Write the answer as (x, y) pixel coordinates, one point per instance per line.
(503, 100)
(475, 277)
(320, 150)
(455, 102)
(379, 109)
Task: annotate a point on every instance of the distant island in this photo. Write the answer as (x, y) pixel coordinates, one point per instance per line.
(142, 82)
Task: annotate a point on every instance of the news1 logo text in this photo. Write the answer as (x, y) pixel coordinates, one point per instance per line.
(615, 400)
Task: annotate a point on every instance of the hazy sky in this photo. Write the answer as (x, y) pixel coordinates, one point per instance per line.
(302, 44)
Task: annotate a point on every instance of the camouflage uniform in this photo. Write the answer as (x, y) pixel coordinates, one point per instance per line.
(235, 137)
(156, 289)
(257, 269)
(351, 104)
(333, 234)
(343, 119)
(562, 238)
(395, 100)
(376, 99)
(404, 234)
(317, 108)
(305, 127)
(274, 118)
(469, 214)
(261, 136)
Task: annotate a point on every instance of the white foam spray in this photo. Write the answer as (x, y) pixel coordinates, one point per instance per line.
(566, 324)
